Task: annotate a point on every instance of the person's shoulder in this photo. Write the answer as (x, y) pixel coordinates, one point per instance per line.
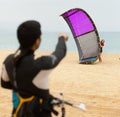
(9, 57)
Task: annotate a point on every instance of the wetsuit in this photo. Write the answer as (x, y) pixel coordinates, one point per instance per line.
(32, 80)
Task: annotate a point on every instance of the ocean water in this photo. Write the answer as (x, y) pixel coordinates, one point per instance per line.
(8, 41)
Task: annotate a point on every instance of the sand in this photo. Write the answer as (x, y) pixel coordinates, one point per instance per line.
(97, 86)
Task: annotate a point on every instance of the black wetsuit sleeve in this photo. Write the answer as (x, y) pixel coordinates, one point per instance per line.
(5, 81)
(48, 62)
(60, 50)
(5, 84)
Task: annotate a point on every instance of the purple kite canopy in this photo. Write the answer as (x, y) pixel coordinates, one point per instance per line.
(69, 13)
(80, 22)
(85, 34)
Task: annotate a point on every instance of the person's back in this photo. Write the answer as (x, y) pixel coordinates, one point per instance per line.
(27, 76)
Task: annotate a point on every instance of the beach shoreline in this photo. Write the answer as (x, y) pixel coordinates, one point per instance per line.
(97, 85)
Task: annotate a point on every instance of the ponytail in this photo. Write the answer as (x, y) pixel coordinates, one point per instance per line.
(19, 55)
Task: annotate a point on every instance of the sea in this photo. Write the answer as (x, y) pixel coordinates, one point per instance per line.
(8, 41)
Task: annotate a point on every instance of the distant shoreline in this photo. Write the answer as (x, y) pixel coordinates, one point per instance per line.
(112, 41)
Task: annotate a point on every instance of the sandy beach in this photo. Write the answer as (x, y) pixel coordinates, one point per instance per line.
(97, 86)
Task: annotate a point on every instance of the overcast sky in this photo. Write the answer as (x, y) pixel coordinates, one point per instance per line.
(105, 13)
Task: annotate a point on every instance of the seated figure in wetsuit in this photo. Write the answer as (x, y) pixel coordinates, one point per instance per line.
(26, 76)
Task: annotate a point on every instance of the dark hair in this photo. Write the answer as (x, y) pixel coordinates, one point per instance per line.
(27, 33)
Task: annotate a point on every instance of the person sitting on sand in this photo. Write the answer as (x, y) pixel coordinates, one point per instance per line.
(26, 76)
(101, 49)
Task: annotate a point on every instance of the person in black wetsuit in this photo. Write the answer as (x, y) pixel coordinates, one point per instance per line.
(27, 77)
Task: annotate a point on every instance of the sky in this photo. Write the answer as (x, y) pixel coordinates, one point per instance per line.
(104, 13)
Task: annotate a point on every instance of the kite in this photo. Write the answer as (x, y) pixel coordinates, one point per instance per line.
(85, 34)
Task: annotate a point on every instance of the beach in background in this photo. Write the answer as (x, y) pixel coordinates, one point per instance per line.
(97, 85)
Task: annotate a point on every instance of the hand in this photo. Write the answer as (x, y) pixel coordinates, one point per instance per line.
(63, 35)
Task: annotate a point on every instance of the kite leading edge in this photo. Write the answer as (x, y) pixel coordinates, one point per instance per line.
(85, 34)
